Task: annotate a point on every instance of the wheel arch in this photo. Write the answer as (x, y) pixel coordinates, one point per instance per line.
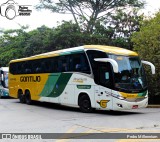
(26, 90)
(83, 94)
(19, 92)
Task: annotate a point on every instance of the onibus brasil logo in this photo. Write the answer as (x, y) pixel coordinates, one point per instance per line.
(11, 9)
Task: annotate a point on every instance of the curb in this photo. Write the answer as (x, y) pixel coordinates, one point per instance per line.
(153, 106)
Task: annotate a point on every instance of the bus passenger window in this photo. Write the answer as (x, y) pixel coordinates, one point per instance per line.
(78, 67)
(63, 64)
(64, 67)
(20, 68)
(36, 66)
(55, 68)
(38, 70)
(80, 63)
(13, 68)
(27, 71)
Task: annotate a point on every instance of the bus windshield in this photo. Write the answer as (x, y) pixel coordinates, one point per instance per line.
(4, 78)
(130, 76)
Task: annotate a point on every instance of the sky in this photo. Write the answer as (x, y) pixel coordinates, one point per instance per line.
(45, 17)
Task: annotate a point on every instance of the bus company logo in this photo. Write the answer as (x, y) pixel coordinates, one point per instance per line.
(11, 9)
(30, 79)
(103, 103)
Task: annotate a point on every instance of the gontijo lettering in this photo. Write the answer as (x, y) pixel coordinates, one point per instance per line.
(30, 79)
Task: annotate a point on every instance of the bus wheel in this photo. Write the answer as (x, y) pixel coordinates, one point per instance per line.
(85, 104)
(21, 97)
(28, 98)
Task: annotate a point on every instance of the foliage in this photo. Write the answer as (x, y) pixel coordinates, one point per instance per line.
(12, 45)
(40, 40)
(19, 43)
(87, 13)
(147, 44)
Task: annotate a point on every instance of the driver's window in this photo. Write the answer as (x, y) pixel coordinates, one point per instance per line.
(104, 75)
(92, 54)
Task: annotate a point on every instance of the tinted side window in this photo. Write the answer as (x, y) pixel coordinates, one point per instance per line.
(13, 68)
(20, 68)
(74, 63)
(36, 65)
(63, 64)
(79, 63)
(46, 65)
(27, 67)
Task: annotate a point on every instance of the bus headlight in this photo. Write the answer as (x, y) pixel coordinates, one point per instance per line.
(117, 96)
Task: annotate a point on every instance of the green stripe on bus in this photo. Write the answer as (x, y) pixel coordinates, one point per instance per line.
(50, 84)
(72, 52)
(60, 85)
(142, 94)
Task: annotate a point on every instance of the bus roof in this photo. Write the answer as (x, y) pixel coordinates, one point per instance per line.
(112, 50)
(107, 49)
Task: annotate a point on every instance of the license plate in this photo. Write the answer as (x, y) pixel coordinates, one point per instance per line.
(134, 106)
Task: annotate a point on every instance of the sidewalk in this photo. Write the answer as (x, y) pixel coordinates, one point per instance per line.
(153, 106)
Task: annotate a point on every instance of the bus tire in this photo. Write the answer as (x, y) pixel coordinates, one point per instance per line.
(21, 97)
(28, 98)
(85, 104)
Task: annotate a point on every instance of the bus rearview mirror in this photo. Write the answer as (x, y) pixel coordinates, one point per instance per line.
(151, 65)
(113, 63)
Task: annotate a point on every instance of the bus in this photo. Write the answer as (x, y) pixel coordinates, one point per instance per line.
(89, 77)
(4, 92)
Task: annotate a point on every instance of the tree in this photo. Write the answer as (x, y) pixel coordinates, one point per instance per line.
(40, 40)
(67, 35)
(147, 44)
(87, 13)
(122, 25)
(12, 44)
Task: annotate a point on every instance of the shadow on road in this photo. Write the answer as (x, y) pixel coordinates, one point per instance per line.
(73, 109)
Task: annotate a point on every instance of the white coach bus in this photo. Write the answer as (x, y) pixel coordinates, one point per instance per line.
(90, 76)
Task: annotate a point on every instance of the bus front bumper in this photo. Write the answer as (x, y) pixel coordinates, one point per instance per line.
(126, 105)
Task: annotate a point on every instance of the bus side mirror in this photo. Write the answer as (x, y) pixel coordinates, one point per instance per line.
(113, 63)
(150, 64)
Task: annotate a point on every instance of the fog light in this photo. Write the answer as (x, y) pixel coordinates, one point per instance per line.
(120, 105)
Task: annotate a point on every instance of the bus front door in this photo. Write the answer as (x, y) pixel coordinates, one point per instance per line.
(103, 91)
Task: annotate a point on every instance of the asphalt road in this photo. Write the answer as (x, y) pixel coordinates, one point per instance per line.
(52, 118)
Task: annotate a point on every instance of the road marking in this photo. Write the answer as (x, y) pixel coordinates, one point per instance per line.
(68, 131)
(109, 130)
